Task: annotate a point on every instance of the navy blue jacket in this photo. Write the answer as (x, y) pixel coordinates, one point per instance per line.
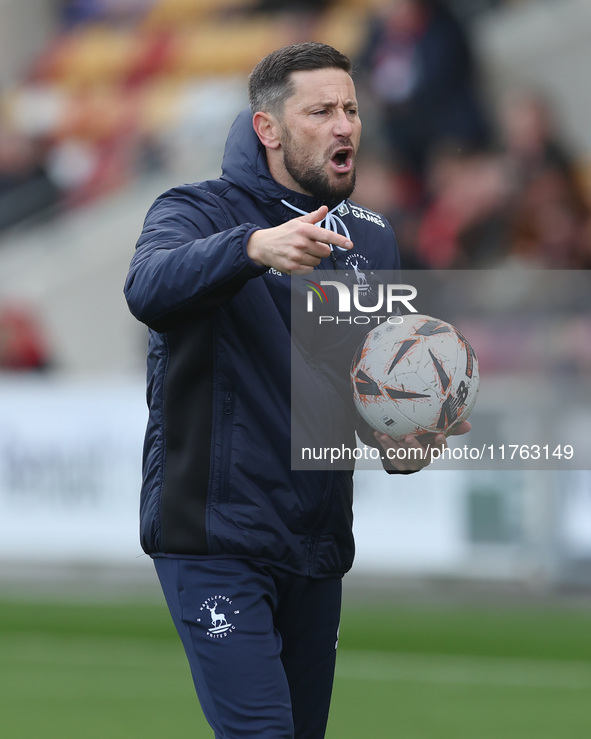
(217, 479)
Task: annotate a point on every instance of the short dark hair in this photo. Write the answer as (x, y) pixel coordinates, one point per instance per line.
(270, 84)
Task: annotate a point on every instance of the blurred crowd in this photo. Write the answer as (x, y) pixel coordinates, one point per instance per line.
(466, 182)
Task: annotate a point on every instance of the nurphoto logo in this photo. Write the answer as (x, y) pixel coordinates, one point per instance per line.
(361, 298)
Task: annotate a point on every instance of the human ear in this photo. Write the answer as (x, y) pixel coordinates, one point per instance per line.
(267, 129)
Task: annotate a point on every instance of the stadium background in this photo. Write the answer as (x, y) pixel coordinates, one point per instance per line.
(467, 612)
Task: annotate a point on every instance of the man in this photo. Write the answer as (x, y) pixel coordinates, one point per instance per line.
(250, 554)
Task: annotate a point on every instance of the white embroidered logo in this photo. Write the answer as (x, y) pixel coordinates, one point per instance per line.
(367, 215)
(220, 625)
(356, 262)
(361, 278)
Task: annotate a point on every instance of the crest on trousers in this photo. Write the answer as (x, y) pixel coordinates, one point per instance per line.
(220, 618)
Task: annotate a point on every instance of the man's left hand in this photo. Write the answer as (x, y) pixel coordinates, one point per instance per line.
(403, 459)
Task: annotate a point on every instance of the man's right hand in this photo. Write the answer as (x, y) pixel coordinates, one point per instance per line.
(297, 246)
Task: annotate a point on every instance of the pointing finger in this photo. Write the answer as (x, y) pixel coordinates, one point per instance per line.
(315, 215)
(324, 236)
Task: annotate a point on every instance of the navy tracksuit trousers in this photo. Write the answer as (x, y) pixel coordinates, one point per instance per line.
(261, 643)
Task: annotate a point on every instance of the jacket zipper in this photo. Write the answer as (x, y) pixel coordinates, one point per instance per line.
(228, 404)
(328, 490)
(226, 440)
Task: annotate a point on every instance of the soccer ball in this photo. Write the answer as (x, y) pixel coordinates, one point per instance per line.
(417, 376)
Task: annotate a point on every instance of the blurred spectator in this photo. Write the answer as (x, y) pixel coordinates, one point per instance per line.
(551, 219)
(26, 189)
(22, 346)
(418, 64)
(551, 223)
(529, 137)
(465, 220)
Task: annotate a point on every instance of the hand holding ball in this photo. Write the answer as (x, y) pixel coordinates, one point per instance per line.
(419, 376)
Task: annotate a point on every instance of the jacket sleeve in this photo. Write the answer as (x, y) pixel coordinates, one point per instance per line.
(188, 259)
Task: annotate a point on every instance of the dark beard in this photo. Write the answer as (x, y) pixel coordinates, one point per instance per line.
(316, 181)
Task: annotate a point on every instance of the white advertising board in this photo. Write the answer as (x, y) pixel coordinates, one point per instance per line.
(70, 469)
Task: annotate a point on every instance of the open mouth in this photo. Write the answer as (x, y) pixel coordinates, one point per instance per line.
(342, 159)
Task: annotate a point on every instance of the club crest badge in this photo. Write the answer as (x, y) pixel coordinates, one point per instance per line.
(218, 616)
(357, 263)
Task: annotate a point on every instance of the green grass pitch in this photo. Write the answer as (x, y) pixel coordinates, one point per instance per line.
(115, 670)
